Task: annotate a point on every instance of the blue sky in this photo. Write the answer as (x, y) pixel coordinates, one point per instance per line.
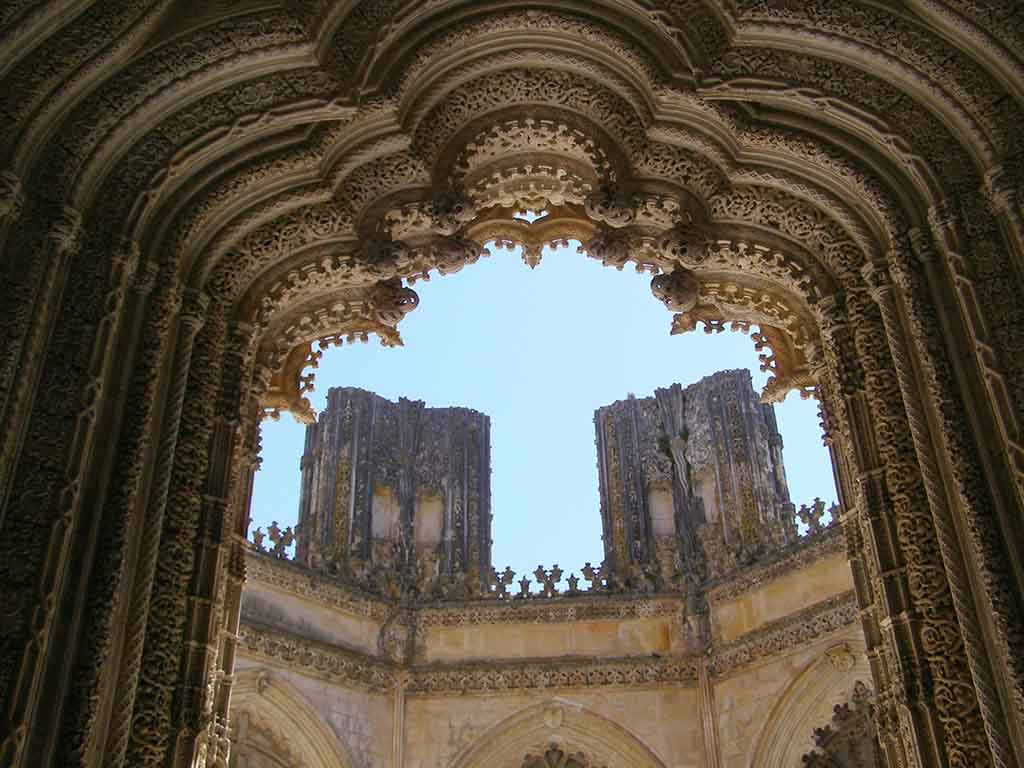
(538, 351)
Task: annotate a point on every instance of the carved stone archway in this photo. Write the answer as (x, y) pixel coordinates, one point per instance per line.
(195, 196)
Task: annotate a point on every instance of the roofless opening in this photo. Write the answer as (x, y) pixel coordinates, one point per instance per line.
(539, 352)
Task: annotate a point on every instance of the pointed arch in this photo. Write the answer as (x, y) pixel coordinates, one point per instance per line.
(293, 722)
(806, 704)
(564, 723)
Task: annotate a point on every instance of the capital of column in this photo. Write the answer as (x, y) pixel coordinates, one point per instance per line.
(943, 220)
(879, 282)
(65, 233)
(1000, 191)
(145, 279)
(12, 195)
(125, 260)
(193, 309)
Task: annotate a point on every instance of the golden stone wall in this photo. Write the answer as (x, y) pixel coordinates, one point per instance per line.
(616, 677)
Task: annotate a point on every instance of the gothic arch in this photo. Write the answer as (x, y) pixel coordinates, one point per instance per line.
(787, 731)
(558, 721)
(294, 726)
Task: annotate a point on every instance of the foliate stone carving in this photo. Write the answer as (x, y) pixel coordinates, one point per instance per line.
(531, 140)
(285, 373)
(569, 673)
(321, 660)
(450, 42)
(313, 585)
(557, 89)
(611, 207)
(583, 606)
(555, 757)
(849, 740)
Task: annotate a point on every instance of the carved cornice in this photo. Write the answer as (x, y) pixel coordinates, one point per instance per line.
(793, 631)
(319, 587)
(313, 585)
(321, 660)
(336, 664)
(552, 610)
(801, 554)
(558, 673)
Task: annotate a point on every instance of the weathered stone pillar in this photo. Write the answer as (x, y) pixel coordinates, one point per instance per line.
(85, 473)
(188, 312)
(83, 735)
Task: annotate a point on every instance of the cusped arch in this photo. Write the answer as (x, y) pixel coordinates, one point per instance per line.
(565, 723)
(807, 704)
(294, 722)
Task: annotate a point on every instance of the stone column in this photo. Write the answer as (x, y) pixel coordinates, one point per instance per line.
(883, 291)
(27, 336)
(988, 290)
(974, 515)
(140, 728)
(907, 724)
(12, 203)
(73, 638)
(210, 611)
(1004, 199)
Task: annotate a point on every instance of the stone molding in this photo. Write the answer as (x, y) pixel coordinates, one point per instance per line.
(322, 660)
(313, 585)
(539, 610)
(119, 104)
(774, 638)
(322, 588)
(801, 554)
(553, 674)
(341, 665)
(334, 662)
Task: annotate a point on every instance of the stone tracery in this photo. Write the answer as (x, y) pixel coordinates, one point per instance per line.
(788, 170)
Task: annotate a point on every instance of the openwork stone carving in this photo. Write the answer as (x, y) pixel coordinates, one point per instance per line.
(555, 757)
(849, 741)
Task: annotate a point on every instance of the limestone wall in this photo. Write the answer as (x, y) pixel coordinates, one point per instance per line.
(618, 676)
